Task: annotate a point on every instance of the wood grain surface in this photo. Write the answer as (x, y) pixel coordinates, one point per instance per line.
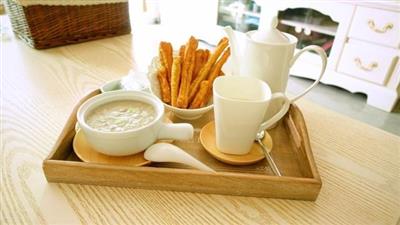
(359, 165)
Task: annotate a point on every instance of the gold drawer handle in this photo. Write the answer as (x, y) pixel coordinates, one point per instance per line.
(386, 28)
(369, 67)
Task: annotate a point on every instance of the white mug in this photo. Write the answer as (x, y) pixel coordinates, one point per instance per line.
(130, 141)
(269, 62)
(240, 104)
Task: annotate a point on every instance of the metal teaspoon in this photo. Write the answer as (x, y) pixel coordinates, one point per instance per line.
(259, 137)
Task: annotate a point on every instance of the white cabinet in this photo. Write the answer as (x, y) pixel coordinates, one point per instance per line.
(376, 26)
(365, 53)
(368, 62)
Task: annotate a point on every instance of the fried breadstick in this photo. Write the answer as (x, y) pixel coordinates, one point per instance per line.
(208, 96)
(165, 54)
(164, 85)
(198, 62)
(186, 72)
(169, 59)
(209, 92)
(204, 59)
(175, 79)
(182, 52)
(201, 95)
(191, 70)
(206, 55)
(215, 72)
(203, 74)
(221, 40)
(216, 69)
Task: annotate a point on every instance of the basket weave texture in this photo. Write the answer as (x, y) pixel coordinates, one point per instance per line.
(45, 26)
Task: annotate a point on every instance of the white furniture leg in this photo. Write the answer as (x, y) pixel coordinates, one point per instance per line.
(385, 102)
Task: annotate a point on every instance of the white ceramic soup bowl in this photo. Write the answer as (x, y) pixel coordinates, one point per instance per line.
(130, 141)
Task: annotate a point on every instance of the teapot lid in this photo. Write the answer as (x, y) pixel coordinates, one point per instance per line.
(270, 35)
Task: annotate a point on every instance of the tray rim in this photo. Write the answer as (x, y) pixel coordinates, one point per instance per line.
(314, 180)
(180, 171)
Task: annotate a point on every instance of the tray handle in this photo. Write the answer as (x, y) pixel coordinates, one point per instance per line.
(299, 146)
(64, 140)
(294, 132)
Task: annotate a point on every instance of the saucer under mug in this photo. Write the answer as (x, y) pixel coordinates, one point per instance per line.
(256, 154)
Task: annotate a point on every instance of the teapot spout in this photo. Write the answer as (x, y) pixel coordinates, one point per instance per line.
(235, 50)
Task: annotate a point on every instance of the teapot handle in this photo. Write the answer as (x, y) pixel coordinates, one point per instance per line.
(323, 56)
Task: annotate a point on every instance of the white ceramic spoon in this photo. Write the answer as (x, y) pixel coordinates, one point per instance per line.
(163, 152)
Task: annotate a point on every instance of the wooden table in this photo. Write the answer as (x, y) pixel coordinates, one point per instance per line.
(359, 165)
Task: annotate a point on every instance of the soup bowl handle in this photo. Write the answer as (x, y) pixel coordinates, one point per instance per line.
(179, 131)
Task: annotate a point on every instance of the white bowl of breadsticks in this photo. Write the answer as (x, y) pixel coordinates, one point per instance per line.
(183, 79)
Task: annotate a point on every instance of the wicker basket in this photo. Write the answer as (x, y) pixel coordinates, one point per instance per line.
(46, 26)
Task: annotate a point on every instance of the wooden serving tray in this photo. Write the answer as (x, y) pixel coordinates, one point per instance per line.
(291, 152)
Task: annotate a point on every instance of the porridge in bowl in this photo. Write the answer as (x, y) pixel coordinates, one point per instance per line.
(138, 120)
(119, 116)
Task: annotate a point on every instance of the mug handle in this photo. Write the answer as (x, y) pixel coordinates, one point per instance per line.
(322, 54)
(285, 107)
(178, 131)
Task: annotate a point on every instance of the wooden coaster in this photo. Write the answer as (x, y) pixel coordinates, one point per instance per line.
(256, 154)
(85, 152)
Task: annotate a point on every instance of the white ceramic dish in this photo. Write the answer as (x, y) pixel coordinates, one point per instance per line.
(186, 114)
(134, 81)
(131, 141)
(113, 85)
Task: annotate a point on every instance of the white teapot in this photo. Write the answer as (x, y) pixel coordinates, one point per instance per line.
(268, 54)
